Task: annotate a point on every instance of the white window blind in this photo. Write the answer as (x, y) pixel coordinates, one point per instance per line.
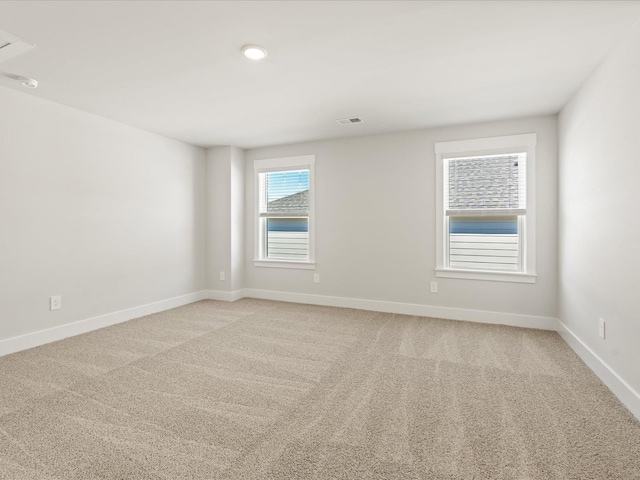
(284, 193)
(490, 185)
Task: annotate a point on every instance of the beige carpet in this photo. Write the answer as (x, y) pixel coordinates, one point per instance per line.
(258, 389)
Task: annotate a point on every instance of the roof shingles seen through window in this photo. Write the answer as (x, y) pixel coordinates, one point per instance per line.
(291, 205)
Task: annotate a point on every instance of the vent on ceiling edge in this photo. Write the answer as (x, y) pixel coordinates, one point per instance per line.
(349, 121)
(12, 46)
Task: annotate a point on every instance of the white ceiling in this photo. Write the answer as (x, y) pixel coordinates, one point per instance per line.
(175, 68)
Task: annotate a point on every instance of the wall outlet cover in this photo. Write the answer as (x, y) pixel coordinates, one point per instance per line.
(55, 302)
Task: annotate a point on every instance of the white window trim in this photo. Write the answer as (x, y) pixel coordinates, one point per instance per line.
(279, 164)
(284, 264)
(489, 146)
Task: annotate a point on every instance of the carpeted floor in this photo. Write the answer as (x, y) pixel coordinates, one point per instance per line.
(257, 389)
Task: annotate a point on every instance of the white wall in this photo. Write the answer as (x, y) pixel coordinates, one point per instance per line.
(237, 219)
(375, 222)
(225, 218)
(106, 215)
(599, 216)
(218, 208)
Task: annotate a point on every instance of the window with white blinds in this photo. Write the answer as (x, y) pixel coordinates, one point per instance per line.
(484, 217)
(486, 196)
(284, 210)
(284, 214)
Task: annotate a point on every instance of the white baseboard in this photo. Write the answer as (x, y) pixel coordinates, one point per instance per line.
(621, 389)
(481, 316)
(35, 339)
(225, 296)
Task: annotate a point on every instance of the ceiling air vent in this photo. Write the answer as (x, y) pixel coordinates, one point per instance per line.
(12, 46)
(349, 121)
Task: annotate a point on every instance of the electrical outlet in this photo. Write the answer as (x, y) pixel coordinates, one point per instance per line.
(222, 276)
(434, 287)
(316, 278)
(602, 325)
(55, 302)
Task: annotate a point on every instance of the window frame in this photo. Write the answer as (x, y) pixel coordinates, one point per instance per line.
(302, 162)
(526, 223)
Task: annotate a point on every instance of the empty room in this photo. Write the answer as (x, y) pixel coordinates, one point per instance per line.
(319, 240)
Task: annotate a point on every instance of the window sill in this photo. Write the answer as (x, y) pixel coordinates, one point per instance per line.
(516, 277)
(285, 264)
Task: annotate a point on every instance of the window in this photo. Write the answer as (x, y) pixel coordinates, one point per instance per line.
(486, 213)
(284, 219)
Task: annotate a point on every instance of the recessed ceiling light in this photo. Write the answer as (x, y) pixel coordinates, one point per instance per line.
(254, 52)
(28, 82)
